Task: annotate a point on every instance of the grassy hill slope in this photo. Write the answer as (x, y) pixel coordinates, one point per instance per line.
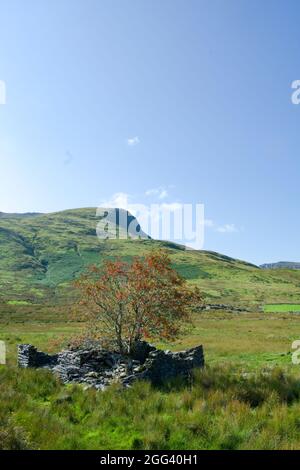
(41, 254)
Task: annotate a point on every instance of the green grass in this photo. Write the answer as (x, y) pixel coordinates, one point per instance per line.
(223, 409)
(246, 398)
(249, 341)
(282, 308)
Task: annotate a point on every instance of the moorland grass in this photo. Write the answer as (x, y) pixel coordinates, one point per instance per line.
(223, 409)
(248, 397)
(250, 341)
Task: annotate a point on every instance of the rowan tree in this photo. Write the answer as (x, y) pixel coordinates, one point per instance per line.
(127, 301)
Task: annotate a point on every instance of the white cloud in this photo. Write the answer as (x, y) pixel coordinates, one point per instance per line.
(117, 201)
(227, 228)
(174, 206)
(209, 223)
(163, 194)
(160, 192)
(131, 141)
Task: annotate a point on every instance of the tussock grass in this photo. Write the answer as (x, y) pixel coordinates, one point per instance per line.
(247, 399)
(221, 409)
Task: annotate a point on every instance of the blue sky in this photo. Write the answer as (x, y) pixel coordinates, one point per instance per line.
(190, 98)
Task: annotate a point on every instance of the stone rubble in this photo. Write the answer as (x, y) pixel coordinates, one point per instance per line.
(96, 367)
(230, 308)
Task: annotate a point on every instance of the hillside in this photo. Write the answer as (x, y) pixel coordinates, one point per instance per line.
(41, 254)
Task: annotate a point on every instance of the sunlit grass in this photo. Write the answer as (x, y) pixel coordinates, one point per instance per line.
(246, 398)
(282, 308)
(223, 409)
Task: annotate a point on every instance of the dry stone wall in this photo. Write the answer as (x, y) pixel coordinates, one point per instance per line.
(97, 367)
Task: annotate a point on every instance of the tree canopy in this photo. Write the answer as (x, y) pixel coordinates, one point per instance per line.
(127, 301)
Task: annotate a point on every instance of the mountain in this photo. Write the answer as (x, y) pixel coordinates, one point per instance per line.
(281, 265)
(42, 254)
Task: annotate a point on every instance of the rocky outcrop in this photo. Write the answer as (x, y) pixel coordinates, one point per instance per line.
(96, 367)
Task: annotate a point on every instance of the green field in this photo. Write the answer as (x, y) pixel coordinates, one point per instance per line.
(282, 308)
(246, 398)
(249, 341)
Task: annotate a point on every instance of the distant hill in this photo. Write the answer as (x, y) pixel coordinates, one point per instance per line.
(4, 215)
(281, 265)
(42, 254)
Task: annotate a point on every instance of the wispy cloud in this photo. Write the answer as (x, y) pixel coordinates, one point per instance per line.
(117, 201)
(173, 206)
(227, 228)
(131, 141)
(160, 192)
(209, 223)
(163, 194)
